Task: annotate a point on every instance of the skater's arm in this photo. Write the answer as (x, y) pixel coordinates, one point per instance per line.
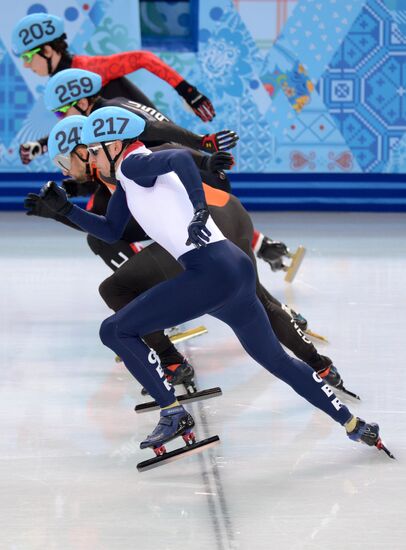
(110, 67)
(168, 131)
(108, 228)
(144, 169)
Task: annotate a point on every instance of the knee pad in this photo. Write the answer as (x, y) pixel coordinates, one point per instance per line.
(105, 290)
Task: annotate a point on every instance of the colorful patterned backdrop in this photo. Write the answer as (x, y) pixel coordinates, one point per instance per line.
(310, 85)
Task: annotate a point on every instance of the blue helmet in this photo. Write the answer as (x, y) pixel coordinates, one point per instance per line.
(70, 85)
(111, 123)
(64, 137)
(35, 30)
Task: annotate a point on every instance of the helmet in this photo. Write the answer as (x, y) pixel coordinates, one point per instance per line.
(70, 85)
(111, 123)
(63, 139)
(35, 30)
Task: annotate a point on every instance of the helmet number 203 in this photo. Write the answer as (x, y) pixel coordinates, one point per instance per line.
(73, 89)
(36, 31)
(99, 125)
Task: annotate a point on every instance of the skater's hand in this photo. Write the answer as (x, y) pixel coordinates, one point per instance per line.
(201, 105)
(220, 161)
(29, 151)
(36, 206)
(220, 141)
(199, 235)
(55, 198)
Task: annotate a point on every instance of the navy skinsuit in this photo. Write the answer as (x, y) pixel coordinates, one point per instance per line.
(160, 191)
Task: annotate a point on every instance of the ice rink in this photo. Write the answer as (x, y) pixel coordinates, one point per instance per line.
(284, 477)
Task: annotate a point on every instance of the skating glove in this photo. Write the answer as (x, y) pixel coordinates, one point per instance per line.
(37, 207)
(220, 141)
(199, 235)
(30, 150)
(200, 104)
(55, 198)
(75, 189)
(218, 162)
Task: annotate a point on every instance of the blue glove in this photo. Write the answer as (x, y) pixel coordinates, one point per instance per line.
(56, 198)
(199, 235)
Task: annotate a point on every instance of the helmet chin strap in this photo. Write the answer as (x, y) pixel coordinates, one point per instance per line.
(49, 62)
(85, 161)
(80, 110)
(112, 161)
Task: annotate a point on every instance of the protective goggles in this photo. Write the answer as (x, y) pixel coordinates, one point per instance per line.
(61, 111)
(27, 56)
(63, 161)
(94, 149)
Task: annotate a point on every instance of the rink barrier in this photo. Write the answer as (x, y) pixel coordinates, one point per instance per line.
(325, 192)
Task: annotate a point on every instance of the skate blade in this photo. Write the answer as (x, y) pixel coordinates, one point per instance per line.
(316, 335)
(177, 454)
(185, 398)
(191, 333)
(379, 445)
(297, 259)
(348, 392)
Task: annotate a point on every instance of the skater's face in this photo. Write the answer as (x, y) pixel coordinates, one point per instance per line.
(81, 107)
(78, 161)
(99, 157)
(32, 60)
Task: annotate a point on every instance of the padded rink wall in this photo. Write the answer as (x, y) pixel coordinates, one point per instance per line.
(315, 89)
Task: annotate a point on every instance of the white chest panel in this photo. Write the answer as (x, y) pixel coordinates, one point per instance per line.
(164, 211)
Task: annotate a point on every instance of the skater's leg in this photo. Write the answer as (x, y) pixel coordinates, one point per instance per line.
(113, 255)
(148, 268)
(255, 333)
(187, 296)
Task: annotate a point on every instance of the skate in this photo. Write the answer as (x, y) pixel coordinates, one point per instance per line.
(273, 252)
(176, 336)
(368, 434)
(185, 398)
(179, 373)
(333, 378)
(173, 422)
(297, 317)
(297, 259)
(302, 323)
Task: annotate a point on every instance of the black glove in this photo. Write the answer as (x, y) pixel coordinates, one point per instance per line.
(55, 198)
(200, 104)
(37, 207)
(220, 141)
(198, 232)
(76, 189)
(218, 162)
(30, 150)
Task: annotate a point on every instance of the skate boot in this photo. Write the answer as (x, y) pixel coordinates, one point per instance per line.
(173, 422)
(181, 373)
(330, 374)
(272, 252)
(368, 434)
(297, 317)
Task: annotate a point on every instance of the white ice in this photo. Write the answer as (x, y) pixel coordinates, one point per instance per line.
(285, 476)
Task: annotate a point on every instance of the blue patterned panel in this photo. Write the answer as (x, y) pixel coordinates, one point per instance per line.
(364, 86)
(15, 98)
